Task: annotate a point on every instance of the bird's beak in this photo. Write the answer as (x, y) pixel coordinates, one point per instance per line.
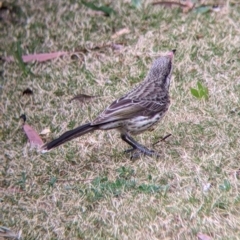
(172, 53)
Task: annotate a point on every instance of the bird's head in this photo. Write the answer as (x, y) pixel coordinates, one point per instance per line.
(161, 69)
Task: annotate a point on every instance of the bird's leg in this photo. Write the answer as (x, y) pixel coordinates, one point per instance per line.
(140, 149)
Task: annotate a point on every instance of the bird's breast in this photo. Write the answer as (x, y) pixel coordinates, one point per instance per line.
(142, 123)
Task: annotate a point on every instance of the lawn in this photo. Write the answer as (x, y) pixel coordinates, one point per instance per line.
(89, 188)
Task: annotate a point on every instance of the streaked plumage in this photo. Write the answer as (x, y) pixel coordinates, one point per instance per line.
(135, 112)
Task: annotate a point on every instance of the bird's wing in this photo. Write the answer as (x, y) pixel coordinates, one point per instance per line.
(123, 108)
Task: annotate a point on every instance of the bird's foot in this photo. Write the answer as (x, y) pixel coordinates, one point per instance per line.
(137, 152)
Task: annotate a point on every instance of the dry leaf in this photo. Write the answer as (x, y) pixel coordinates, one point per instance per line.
(40, 57)
(33, 137)
(45, 131)
(82, 98)
(120, 33)
(202, 236)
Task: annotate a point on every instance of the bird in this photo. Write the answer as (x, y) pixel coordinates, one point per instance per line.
(137, 111)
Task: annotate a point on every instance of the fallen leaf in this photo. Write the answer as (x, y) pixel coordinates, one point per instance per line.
(120, 33)
(33, 137)
(83, 98)
(39, 57)
(202, 236)
(27, 91)
(45, 131)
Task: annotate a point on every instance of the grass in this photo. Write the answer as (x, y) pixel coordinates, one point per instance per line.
(87, 188)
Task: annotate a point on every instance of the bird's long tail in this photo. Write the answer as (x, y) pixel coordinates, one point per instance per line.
(67, 136)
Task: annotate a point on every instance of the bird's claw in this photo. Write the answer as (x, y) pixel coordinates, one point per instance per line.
(136, 153)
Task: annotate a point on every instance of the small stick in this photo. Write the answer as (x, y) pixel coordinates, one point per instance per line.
(163, 139)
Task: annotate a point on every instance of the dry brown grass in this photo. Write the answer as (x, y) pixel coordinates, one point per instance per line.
(88, 189)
